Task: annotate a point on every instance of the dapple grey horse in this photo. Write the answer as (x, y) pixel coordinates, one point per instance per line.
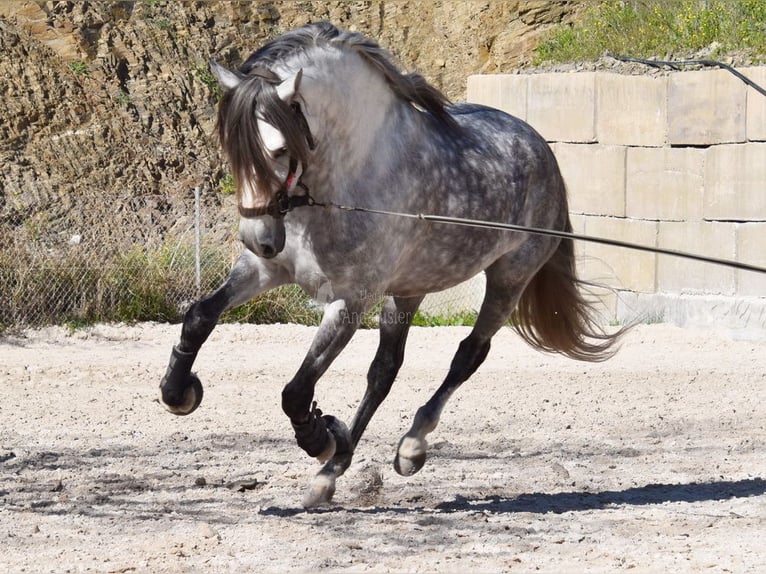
(321, 116)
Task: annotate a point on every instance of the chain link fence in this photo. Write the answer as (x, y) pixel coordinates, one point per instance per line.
(43, 283)
(67, 280)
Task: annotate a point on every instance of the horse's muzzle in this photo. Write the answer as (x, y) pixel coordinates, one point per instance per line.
(264, 236)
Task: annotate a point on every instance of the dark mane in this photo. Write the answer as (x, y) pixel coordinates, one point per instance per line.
(237, 128)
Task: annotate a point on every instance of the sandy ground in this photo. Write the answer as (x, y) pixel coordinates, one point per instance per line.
(653, 461)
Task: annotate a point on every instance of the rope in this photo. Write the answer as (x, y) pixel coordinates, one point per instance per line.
(546, 232)
(674, 64)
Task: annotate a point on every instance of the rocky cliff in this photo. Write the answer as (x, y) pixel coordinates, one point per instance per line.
(107, 108)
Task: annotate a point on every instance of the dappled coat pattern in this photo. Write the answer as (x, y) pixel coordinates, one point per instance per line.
(325, 112)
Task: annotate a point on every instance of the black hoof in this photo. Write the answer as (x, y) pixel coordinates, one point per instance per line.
(187, 402)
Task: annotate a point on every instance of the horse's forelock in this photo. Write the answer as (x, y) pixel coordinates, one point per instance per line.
(238, 112)
(282, 116)
(240, 139)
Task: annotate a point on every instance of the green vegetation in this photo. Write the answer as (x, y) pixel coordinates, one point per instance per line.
(658, 28)
(77, 289)
(204, 75)
(447, 319)
(79, 68)
(227, 185)
(161, 23)
(123, 98)
(289, 304)
(152, 13)
(286, 304)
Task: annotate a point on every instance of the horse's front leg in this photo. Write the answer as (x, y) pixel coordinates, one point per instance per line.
(321, 436)
(395, 320)
(181, 390)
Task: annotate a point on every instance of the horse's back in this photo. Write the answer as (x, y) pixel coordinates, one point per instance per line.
(506, 159)
(484, 123)
(468, 109)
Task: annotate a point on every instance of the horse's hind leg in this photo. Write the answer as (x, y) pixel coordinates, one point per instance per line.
(505, 283)
(411, 454)
(395, 320)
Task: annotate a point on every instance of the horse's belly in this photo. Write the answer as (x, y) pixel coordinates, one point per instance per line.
(438, 265)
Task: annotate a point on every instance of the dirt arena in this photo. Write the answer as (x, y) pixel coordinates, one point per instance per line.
(653, 461)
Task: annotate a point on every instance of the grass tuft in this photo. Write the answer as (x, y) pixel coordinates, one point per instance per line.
(659, 28)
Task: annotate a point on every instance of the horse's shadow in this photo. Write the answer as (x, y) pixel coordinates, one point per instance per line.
(561, 502)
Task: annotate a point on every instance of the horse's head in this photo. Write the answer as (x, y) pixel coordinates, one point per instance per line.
(267, 140)
(356, 99)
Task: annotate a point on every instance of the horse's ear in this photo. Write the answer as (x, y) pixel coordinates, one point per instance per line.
(287, 89)
(227, 79)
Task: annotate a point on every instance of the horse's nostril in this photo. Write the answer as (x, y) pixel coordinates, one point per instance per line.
(268, 251)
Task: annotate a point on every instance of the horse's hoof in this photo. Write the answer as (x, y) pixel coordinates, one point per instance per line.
(340, 433)
(320, 492)
(191, 399)
(329, 449)
(410, 456)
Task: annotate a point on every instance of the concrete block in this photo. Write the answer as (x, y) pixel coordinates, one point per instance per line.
(578, 226)
(620, 267)
(578, 222)
(714, 239)
(751, 248)
(483, 89)
(506, 92)
(631, 110)
(756, 104)
(595, 177)
(562, 107)
(513, 97)
(705, 107)
(636, 308)
(603, 297)
(736, 317)
(735, 182)
(665, 183)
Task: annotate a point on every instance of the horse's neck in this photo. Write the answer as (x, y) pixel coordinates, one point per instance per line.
(355, 113)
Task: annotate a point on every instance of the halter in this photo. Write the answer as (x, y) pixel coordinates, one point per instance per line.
(283, 202)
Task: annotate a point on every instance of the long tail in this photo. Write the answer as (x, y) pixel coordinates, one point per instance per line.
(554, 316)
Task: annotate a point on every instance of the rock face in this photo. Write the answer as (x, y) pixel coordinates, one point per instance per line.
(107, 110)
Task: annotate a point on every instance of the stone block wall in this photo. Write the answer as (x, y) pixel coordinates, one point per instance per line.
(676, 161)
